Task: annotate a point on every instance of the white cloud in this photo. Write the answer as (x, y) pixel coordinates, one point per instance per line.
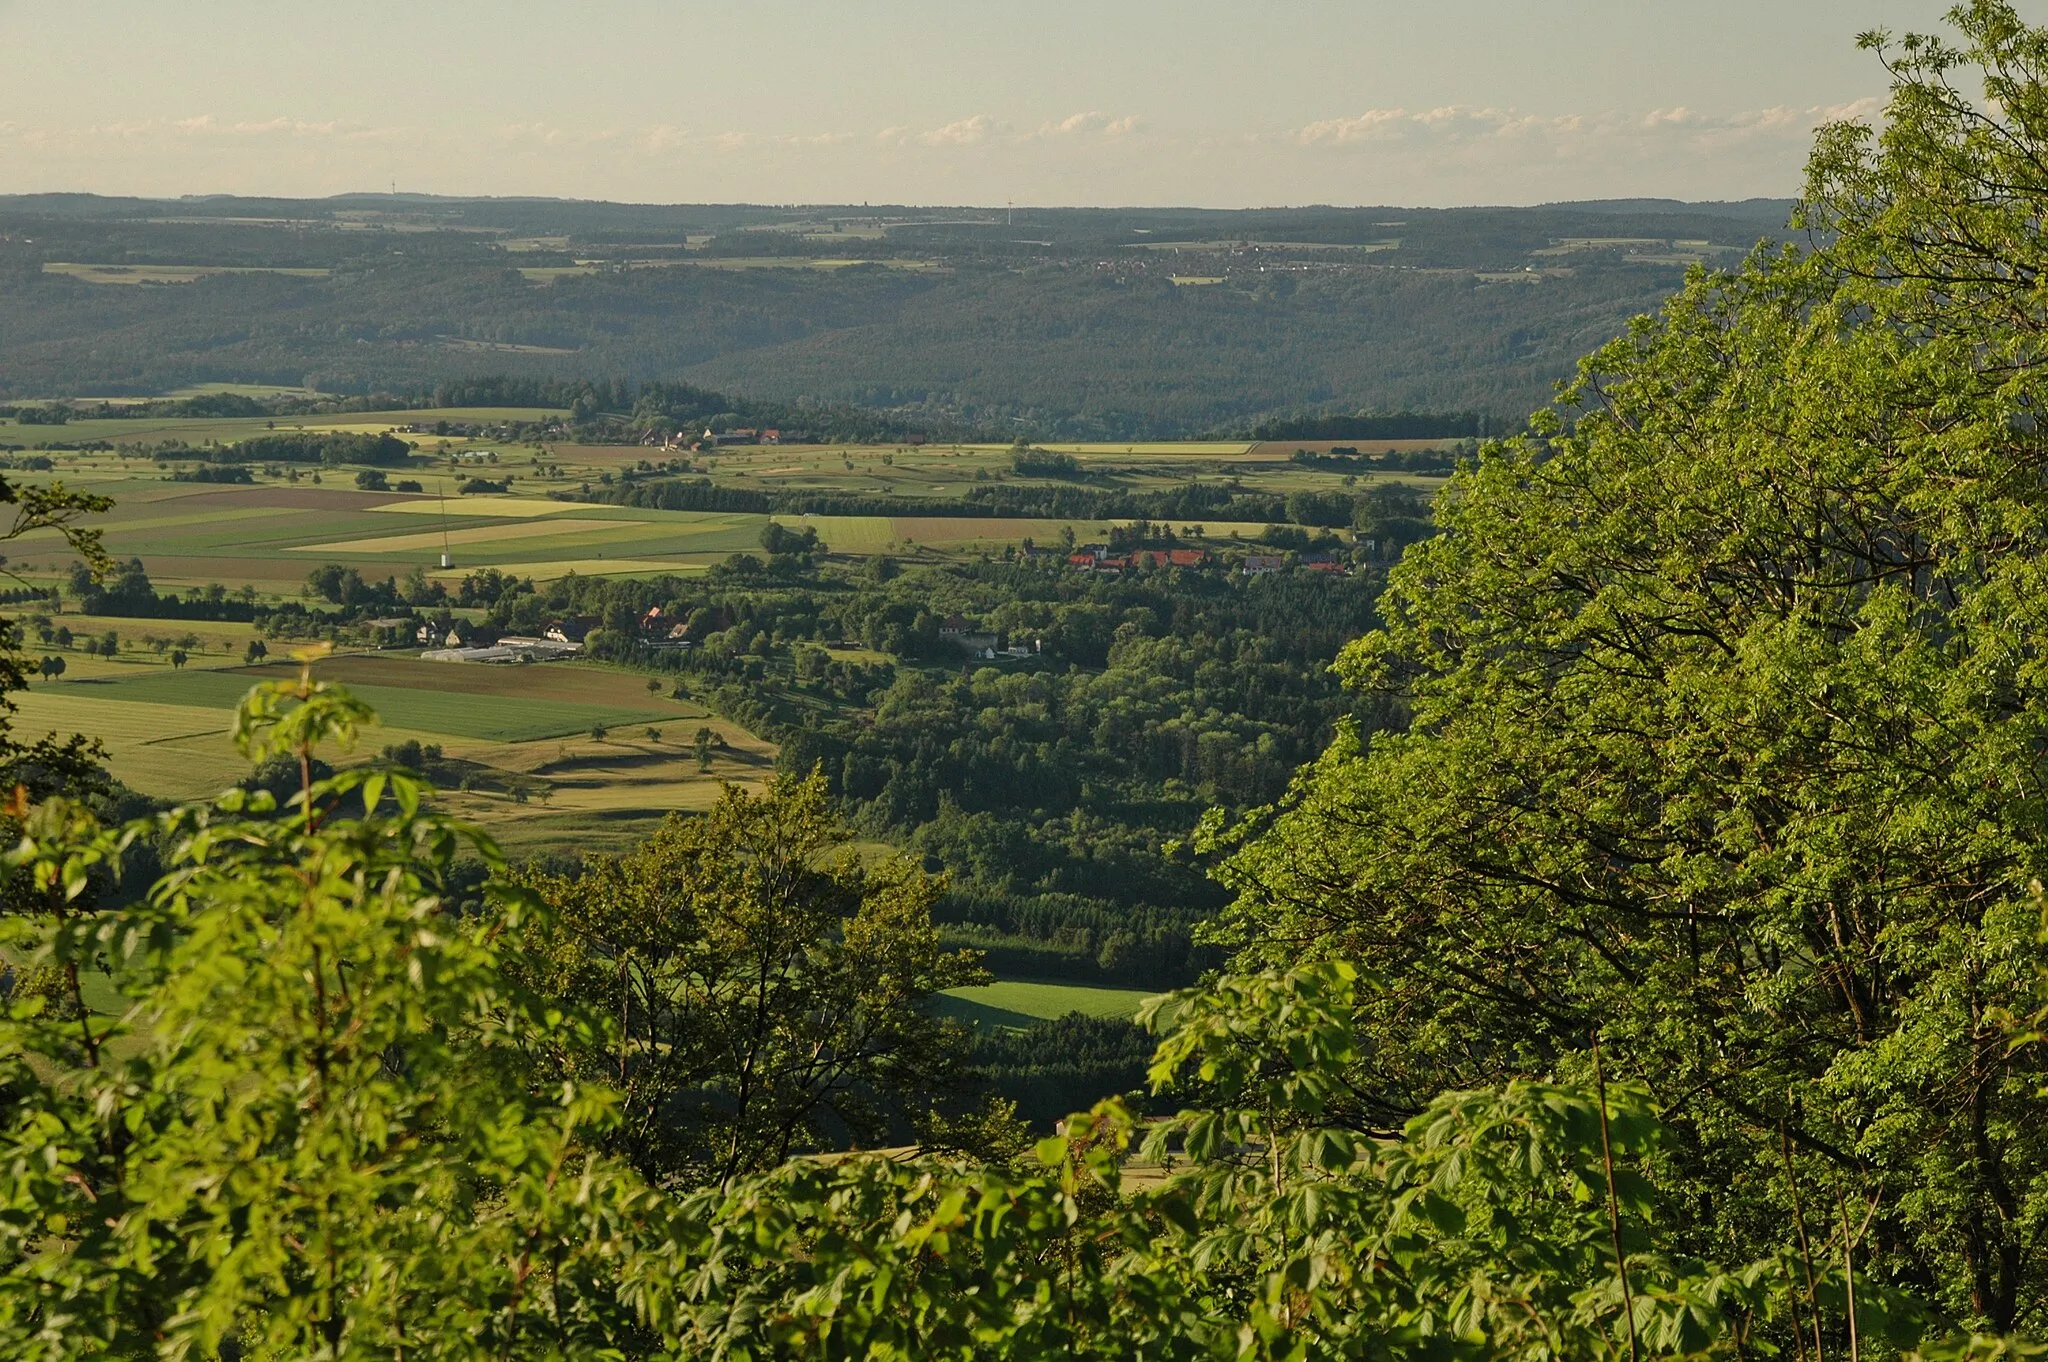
(1452, 153)
(1374, 125)
(965, 133)
(1093, 123)
(1475, 130)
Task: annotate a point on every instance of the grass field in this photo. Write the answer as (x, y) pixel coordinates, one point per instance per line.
(173, 751)
(166, 274)
(228, 639)
(580, 683)
(517, 508)
(493, 718)
(1018, 1003)
(412, 545)
(527, 728)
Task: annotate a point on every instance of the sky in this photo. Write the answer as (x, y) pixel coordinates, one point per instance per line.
(933, 102)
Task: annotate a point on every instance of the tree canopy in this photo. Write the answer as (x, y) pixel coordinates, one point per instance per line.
(767, 991)
(1727, 711)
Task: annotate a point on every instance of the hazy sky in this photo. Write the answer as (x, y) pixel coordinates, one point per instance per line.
(936, 101)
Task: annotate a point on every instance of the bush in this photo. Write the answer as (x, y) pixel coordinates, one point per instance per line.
(1043, 463)
(214, 473)
(315, 447)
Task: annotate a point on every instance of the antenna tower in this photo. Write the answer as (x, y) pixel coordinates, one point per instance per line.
(441, 486)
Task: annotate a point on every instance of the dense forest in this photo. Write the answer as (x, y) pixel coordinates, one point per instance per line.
(1046, 785)
(1079, 332)
(1653, 965)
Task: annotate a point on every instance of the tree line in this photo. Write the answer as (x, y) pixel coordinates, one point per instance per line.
(1394, 512)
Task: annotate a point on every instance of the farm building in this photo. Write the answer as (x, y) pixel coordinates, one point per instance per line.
(570, 630)
(513, 649)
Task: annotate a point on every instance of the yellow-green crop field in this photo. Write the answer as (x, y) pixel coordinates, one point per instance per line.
(533, 729)
(167, 274)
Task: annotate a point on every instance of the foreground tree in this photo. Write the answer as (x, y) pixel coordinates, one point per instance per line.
(49, 764)
(1730, 722)
(312, 1133)
(769, 992)
(305, 1136)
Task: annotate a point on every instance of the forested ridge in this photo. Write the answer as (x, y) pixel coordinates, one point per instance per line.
(1654, 963)
(1055, 347)
(1080, 334)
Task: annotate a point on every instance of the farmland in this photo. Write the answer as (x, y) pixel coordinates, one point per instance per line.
(553, 520)
(590, 755)
(525, 750)
(423, 706)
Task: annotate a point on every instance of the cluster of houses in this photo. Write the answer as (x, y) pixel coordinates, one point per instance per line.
(714, 439)
(1095, 558)
(965, 635)
(659, 630)
(561, 639)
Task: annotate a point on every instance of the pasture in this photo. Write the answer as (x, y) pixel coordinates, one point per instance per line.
(1013, 1004)
(425, 708)
(543, 755)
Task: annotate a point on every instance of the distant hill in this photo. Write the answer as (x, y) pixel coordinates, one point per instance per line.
(1068, 322)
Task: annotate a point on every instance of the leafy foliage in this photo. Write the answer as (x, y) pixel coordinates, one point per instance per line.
(1727, 725)
(767, 994)
(333, 448)
(281, 1142)
(316, 1131)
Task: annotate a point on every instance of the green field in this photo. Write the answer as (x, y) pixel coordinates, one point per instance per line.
(1018, 1003)
(496, 718)
(167, 274)
(505, 729)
